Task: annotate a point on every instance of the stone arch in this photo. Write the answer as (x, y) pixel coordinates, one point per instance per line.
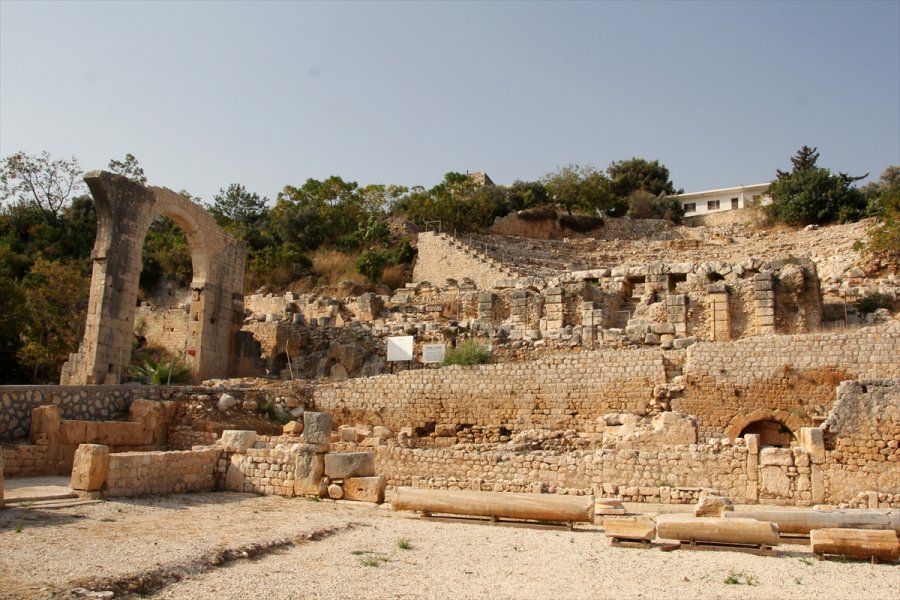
(742, 420)
(125, 210)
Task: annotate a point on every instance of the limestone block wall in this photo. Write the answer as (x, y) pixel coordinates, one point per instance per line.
(790, 378)
(155, 473)
(862, 436)
(168, 328)
(673, 474)
(88, 403)
(557, 392)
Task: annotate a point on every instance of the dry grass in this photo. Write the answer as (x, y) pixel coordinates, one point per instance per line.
(396, 276)
(334, 267)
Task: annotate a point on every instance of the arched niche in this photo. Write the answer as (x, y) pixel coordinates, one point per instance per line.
(125, 210)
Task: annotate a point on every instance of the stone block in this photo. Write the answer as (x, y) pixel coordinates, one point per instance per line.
(365, 489)
(350, 464)
(776, 456)
(812, 441)
(774, 482)
(630, 528)
(335, 491)
(712, 506)
(90, 468)
(234, 475)
(46, 420)
(317, 427)
(309, 468)
(236, 440)
(292, 428)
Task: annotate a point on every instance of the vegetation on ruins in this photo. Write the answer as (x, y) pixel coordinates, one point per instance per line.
(884, 203)
(157, 367)
(469, 352)
(809, 194)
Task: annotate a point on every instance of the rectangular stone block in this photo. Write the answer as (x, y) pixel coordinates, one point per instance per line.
(235, 440)
(350, 464)
(812, 441)
(776, 456)
(317, 427)
(630, 528)
(90, 467)
(365, 489)
(309, 468)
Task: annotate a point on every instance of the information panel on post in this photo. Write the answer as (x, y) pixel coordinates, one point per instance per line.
(433, 353)
(400, 348)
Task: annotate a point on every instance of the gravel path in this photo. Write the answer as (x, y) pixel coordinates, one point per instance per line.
(353, 550)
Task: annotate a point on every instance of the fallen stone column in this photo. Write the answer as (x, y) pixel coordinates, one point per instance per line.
(716, 530)
(802, 522)
(860, 543)
(537, 507)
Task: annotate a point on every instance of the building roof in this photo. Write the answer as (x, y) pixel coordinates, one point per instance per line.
(756, 187)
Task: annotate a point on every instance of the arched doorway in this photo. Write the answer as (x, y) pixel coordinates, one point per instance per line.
(771, 433)
(125, 210)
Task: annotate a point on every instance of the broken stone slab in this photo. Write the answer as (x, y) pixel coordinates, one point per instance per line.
(712, 506)
(641, 528)
(292, 428)
(225, 402)
(236, 440)
(608, 506)
(350, 464)
(309, 468)
(317, 427)
(365, 489)
(90, 467)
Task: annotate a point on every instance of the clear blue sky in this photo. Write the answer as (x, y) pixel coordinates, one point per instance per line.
(270, 94)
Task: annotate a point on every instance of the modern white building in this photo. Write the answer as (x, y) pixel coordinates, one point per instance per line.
(713, 201)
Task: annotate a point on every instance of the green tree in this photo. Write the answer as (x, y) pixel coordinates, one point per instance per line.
(236, 205)
(55, 298)
(811, 194)
(884, 236)
(129, 168)
(579, 188)
(637, 175)
(40, 182)
(522, 195)
(12, 320)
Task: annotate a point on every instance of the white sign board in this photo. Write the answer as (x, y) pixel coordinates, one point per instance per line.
(433, 353)
(400, 348)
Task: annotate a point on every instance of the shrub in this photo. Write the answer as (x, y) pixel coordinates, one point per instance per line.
(154, 367)
(874, 301)
(468, 352)
(580, 223)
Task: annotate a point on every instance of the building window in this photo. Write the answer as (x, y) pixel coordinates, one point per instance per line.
(734, 203)
(690, 207)
(712, 205)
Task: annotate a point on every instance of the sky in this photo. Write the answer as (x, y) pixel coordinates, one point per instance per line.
(268, 94)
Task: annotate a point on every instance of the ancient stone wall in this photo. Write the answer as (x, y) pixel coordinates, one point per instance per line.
(156, 473)
(789, 379)
(861, 436)
(166, 328)
(87, 403)
(557, 392)
(673, 474)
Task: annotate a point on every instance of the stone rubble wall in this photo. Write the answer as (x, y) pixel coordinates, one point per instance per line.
(862, 435)
(134, 474)
(87, 403)
(790, 379)
(557, 392)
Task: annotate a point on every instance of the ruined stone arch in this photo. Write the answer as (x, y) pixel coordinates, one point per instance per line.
(125, 211)
(740, 421)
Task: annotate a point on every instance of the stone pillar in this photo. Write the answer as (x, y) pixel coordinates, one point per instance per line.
(518, 307)
(1, 479)
(591, 320)
(676, 312)
(486, 306)
(764, 286)
(152, 416)
(554, 308)
(90, 468)
(45, 424)
(720, 318)
(752, 441)
(812, 441)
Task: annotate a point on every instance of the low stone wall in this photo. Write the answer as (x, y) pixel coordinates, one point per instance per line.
(86, 402)
(558, 392)
(673, 474)
(53, 441)
(157, 473)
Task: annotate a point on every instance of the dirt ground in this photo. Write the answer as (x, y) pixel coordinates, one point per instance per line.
(227, 545)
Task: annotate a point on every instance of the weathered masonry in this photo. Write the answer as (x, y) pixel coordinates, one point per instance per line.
(125, 210)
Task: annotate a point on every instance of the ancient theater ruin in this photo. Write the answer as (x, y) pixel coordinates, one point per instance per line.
(641, 362)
